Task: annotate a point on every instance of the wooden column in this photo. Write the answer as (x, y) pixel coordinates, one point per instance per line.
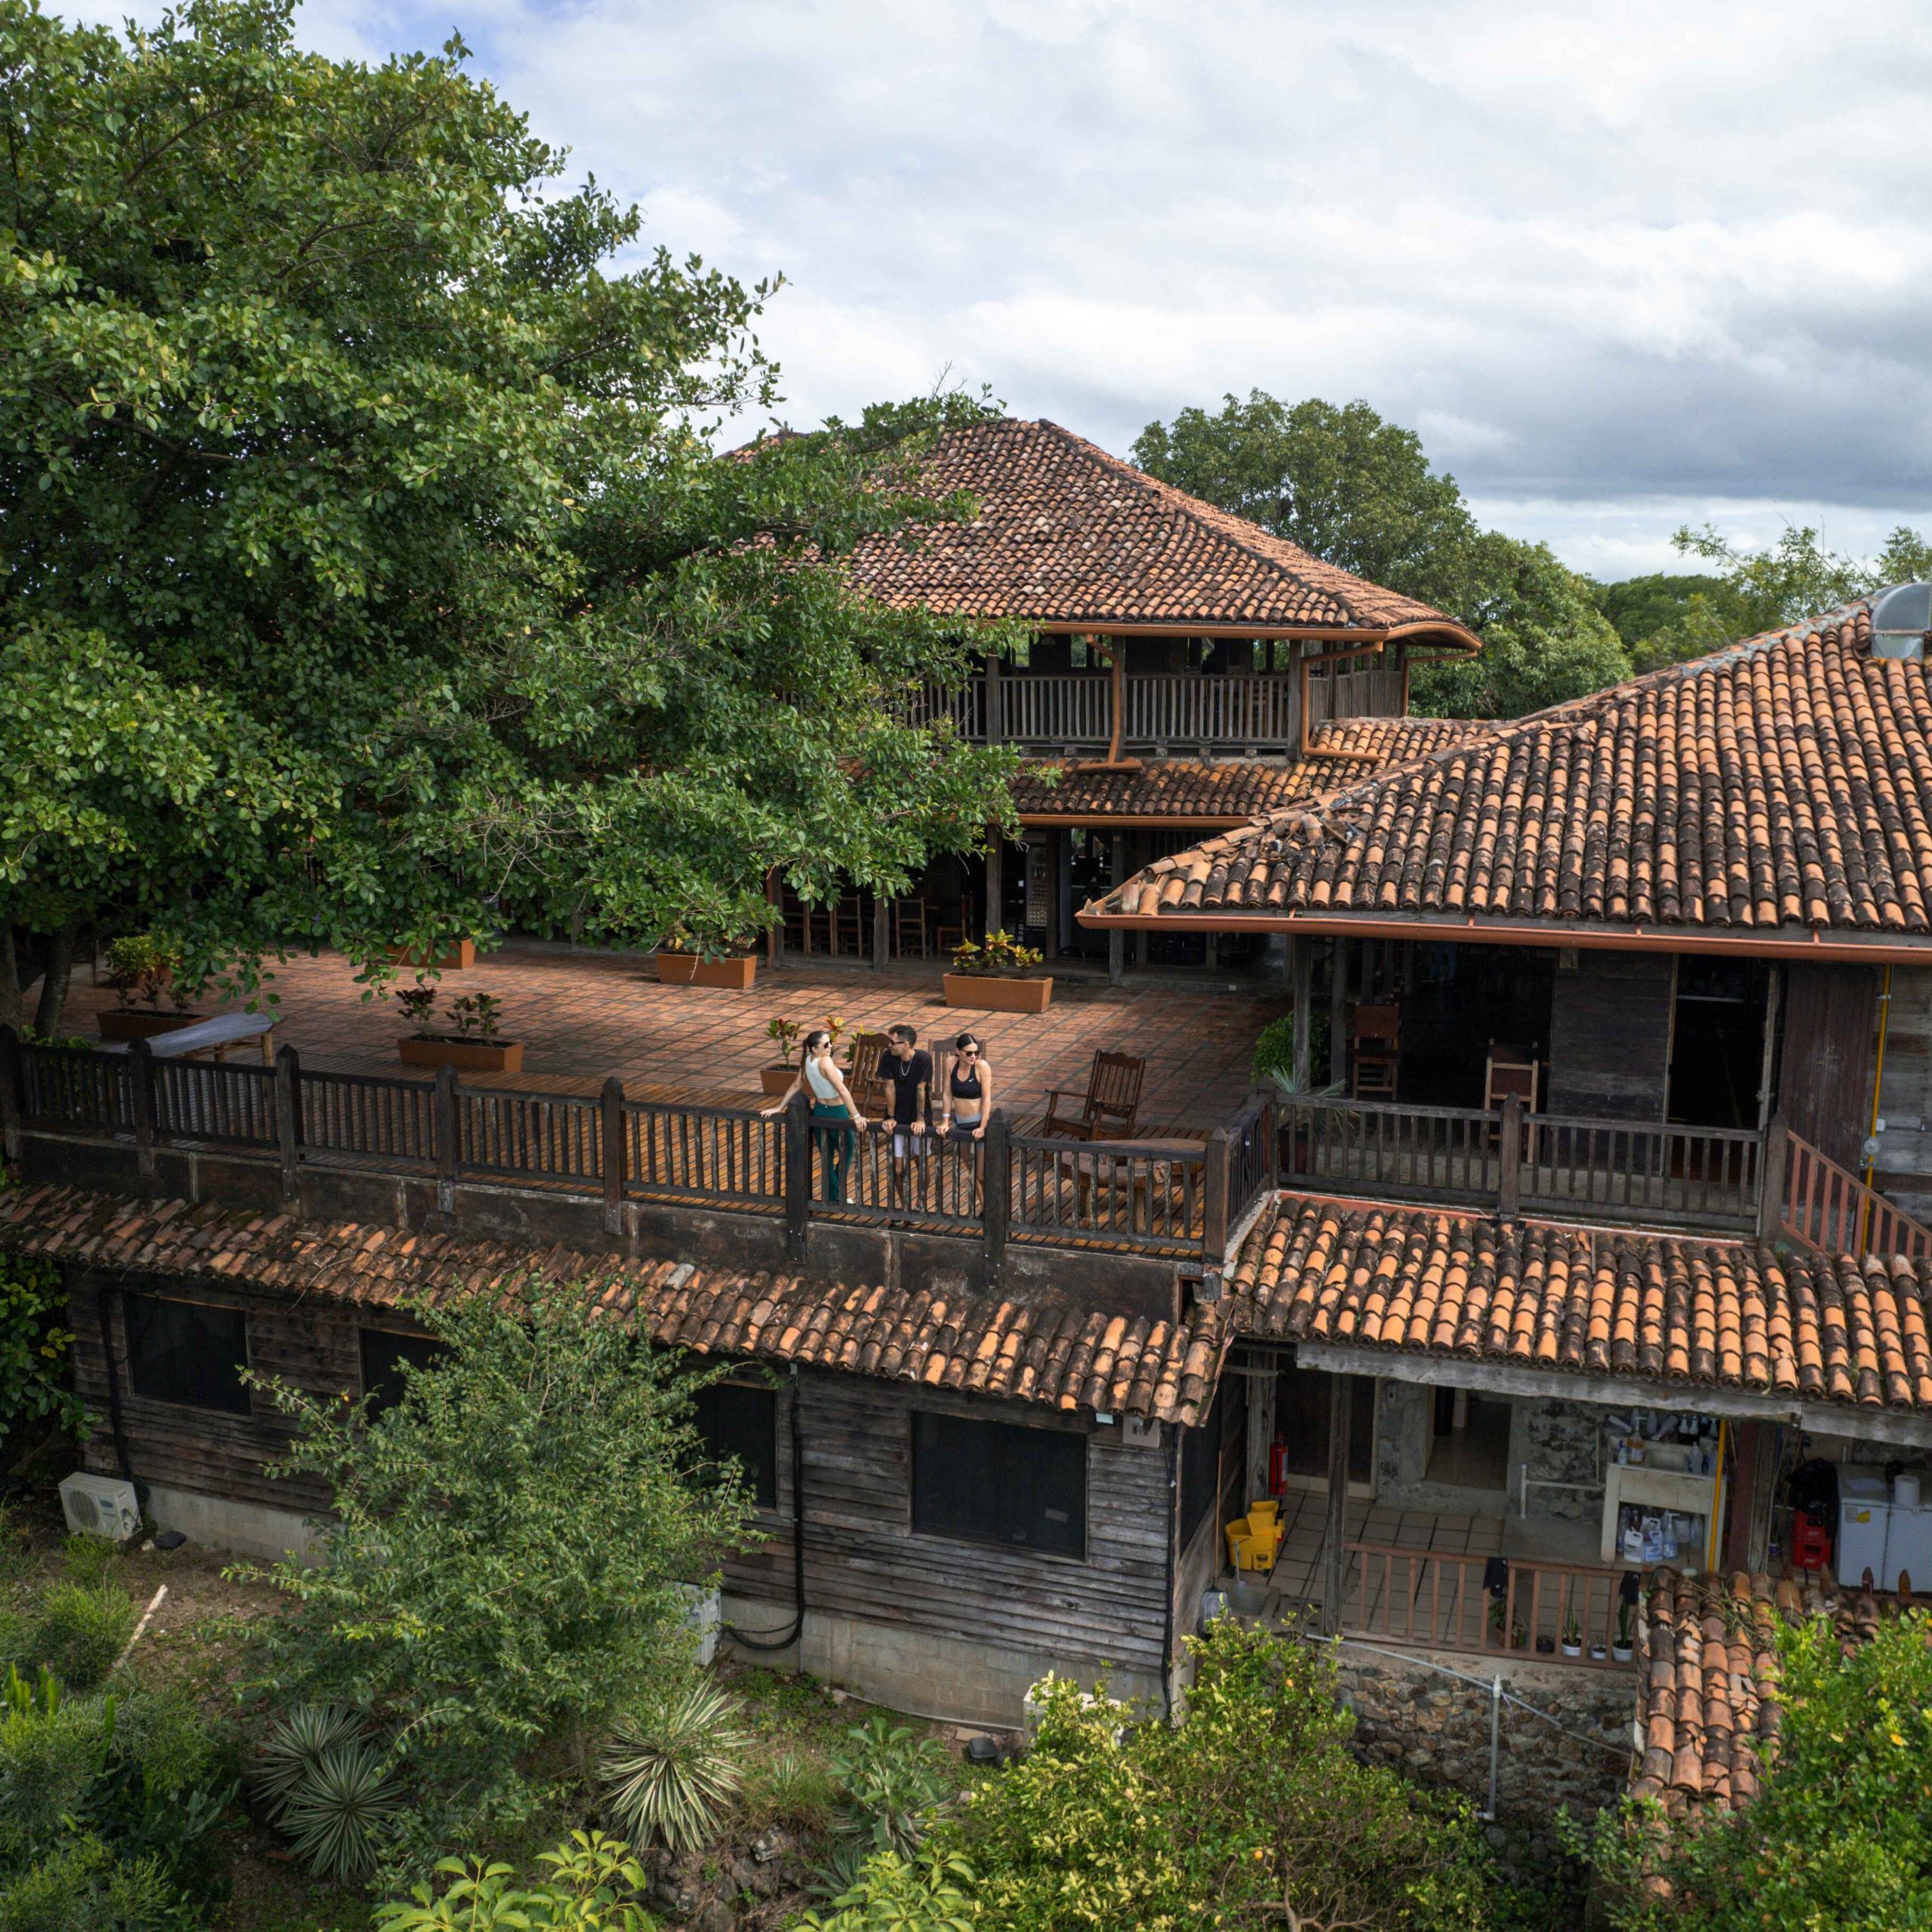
(882, 932)
(288, 1119)
(1338, 1013)
(611, 1126)
(994, 724)
(996, 1203)
(798, 1176)
(1774, 996)
(1509, 1159)
(10, 1102)
(1771, 1177)
(996, 856)
(1117, 939)
(1335, 1532)
(449, 1138)
(1260, 1430)
(140, 1089)
(1301, 969)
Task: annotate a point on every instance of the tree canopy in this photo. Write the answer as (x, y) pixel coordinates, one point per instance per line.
(369, 576)
(1358, 491)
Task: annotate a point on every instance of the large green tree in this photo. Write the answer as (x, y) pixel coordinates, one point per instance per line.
(368, 578)
(1359, 492)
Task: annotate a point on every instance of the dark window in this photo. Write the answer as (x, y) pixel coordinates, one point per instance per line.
(186, 1352)
(1200, 1469)
(384, 1352)
(994, 1482)
(741, 1425)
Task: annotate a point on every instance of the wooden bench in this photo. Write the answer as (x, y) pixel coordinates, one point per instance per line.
(215, 1036)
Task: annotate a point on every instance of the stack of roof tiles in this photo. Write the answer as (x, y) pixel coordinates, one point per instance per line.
(1067, 1357)
(1179, 788)
(1665, 1308)
(1709, 1695)
(1784, 782)
(1067, 534)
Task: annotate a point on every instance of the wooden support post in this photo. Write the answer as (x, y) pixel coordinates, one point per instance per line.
(882, 932)
(1749, 1498)
(1509, 1159)
(1301, 968)
(798, 1177)
(610, 1124)
(1773, 998)
(12, 1102)
(449, 1138)
(288, 1120)
(1260, 1430)
(1214, 1192)
(1771, 1178)
(995, 724)
(1338, 1014)
(995, 875)
(140, 1091)
(995, 1195)
(1335, 1532)
(1116, 938)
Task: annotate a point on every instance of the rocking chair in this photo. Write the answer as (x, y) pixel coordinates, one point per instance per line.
(1110, 1107)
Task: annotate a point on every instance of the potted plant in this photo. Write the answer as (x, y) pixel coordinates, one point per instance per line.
(141, 968)
(731, 971)
(777, 1077)
(1573, 1634)
(1621, 1644)
(676, 962)
(474, 1046)
(462, 954)
(995, 975)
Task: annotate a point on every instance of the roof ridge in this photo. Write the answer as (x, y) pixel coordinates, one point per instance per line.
(1190, 506)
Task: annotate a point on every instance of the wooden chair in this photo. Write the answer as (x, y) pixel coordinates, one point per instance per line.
(862, 1074)
(1109, 1109)
(948, 932)
(845, 916)
(1508, 1070)
(909, 927)
(1377, 1037)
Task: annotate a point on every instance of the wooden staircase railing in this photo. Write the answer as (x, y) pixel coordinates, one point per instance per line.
(1828, 1207)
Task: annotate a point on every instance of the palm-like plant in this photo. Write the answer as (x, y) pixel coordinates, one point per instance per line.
(297, 1742)
(669, 1771)
(334, 1817)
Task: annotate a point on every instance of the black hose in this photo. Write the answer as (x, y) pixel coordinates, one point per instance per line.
(101, 1302)
(769, 1640)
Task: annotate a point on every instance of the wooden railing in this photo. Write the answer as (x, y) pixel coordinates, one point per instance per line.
(1434, 1599)
(1170, 1199)
(1050, 709)
(1514, 1162)
(1828, 1208)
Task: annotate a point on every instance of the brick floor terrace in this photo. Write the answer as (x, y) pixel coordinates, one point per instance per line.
(583, 1016)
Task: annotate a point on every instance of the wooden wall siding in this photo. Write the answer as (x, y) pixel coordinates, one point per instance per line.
(1609, 1021)
(308, 1344)
(1904, 1099)
(863, 1559)
(1830, 1015)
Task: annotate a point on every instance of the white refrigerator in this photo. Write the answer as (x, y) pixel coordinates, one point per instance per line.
(1865, 1521)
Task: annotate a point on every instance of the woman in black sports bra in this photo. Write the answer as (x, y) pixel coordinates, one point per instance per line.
(968, 1099)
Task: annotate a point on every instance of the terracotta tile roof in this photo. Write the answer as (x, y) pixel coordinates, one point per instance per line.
(1708, 1700)
(1395, 741)
(1238, 788)
(1592, 1301)
(1784, 782)
(1068, 534)
(1066, 1357)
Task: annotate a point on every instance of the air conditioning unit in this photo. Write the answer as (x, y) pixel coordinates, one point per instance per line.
(101, 1506)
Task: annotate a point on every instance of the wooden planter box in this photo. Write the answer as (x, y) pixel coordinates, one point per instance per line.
(687, 969)
(990, 994)
(463, 954)
(465, 1056)
(775, 1079)
(142, 1023)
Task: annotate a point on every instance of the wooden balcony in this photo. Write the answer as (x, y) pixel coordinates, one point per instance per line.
(1050, 712)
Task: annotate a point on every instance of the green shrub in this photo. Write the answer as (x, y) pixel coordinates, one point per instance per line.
(1839, 1835)
(1249, 1811)
(297, 1742)
(889, 1894)
(35, 1390)
(84, 1887)
(670, 1772)
(589, 1879)
(53, 1750)
(88, 1560)
(790, 1788)
(80, 1633)
(894, 1782)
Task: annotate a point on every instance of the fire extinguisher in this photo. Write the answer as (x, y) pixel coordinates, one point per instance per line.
(1277, 1467)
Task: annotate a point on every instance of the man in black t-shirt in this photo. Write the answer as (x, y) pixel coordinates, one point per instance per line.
(908, 1070)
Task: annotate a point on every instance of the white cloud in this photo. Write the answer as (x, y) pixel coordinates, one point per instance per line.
(1621, 267)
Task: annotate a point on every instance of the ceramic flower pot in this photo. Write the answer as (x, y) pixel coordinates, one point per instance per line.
(676, 969)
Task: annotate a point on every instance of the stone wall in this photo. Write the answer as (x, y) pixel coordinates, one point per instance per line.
(1435, 1729)
(1560, 1443)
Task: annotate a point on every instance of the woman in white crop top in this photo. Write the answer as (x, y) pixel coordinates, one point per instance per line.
(835, 1114)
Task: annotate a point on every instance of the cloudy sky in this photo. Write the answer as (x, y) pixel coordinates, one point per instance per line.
(1622, 266)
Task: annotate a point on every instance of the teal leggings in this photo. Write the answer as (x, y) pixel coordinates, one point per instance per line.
(835, 1146)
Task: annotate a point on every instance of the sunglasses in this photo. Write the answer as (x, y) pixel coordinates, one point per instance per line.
(969, 1053)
